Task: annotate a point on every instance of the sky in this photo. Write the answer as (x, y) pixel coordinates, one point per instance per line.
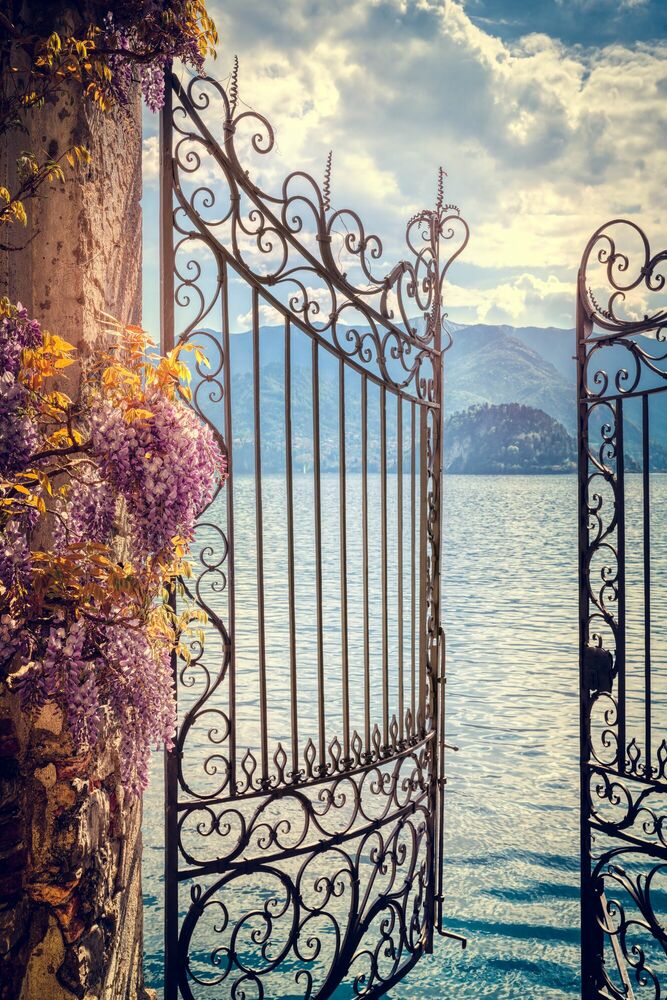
(549, 117)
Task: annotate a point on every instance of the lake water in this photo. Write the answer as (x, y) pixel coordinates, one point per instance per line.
(510, 612)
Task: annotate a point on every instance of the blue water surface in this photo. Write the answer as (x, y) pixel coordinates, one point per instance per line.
(511, 869)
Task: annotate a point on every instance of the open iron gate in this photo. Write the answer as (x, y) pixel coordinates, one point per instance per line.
(304, 799)
(622, 378)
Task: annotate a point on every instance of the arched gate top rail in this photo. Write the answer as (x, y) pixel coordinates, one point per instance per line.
(292, 243)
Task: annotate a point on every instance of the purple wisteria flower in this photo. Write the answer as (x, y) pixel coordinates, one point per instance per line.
(84, 667)
(65, 673)
(165, 467)
(18, 435)
(17, 331)
(136, 45)
(88, 514)
(141, 697)
(152, 84)
(13, 639)
(102, 655)
(15, 561)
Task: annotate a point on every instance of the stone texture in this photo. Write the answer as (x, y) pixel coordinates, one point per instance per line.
(70, 839)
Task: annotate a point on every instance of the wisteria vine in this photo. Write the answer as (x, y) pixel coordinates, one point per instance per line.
(100, 489)
(99, 497)
(108, 49)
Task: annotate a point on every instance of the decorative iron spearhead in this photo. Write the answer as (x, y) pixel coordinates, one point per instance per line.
(234, 86)
(326, 186)
(441, 189)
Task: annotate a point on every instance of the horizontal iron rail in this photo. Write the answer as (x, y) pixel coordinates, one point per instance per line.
(610, 337)
(614, 397)
(285, 789)
(645, 846)
(659, 784)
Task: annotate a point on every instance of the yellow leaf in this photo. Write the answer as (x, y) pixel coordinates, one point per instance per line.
(201, 357)
(136, 413)
(57, 343)
(59, 399)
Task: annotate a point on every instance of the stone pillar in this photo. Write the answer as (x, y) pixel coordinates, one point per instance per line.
(70, 838)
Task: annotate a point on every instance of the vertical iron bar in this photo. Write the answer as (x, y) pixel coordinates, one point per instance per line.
(171, 784)
(413, 565)
(383, 526)
(433, 625)
(442, 677)
(231, 580)
(364, 523)
(259, 528)
(592, 944)
(399, 503)
(289, 485)
(423, 564)
(317, 497)
(646, 485)
(167, 334)
(620, 638)
(343, 560)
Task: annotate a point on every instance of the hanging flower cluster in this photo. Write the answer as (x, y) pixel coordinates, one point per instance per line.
(146, 44)
(131, 42)
(163, 467)
(115, 479)
(19, 437)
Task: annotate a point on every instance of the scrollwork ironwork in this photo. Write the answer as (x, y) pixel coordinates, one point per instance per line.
(619, 358)
(341, 835)
(284, 243)
(354, 914)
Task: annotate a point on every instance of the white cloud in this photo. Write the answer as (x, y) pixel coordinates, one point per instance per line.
(525, 300)
(150, 159)
(542, 142)
(268, 316)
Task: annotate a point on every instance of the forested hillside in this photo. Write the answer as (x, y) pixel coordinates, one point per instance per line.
(508, 438)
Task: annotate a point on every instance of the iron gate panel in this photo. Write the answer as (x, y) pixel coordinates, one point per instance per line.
(622, 374)
(302, 837)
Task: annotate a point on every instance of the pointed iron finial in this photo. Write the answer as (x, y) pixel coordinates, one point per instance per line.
(326, 187)
(441, 188)
(234, 85)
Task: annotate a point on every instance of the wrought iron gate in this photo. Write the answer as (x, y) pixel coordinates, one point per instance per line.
(622, 376)
(304, 802)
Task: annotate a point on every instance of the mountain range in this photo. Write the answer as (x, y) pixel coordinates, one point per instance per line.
(486, 365)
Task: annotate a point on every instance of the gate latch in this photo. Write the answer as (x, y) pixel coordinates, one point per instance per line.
(598, 669)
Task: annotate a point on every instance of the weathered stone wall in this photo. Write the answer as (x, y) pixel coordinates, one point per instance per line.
(70, 839)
